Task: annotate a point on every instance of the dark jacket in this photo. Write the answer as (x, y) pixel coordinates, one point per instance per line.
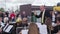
(46, 14)
(56, 29)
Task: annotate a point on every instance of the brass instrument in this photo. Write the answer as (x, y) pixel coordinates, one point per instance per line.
(48, 22)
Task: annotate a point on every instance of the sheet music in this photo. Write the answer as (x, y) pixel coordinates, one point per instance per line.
(2, 24)
(25, 31)
(38, 24)
(42, 28)
(9, 28)
(5, 27)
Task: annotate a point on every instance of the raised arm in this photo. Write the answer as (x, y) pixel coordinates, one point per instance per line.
(38, 16)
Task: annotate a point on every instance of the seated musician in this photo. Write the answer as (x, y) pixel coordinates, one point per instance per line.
(33, 29)
(57, 27)
(21, 22)
(48, 22)
(6, 19)
(24, 22)
(8, 28)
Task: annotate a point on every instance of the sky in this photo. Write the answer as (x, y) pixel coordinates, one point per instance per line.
(9, 4)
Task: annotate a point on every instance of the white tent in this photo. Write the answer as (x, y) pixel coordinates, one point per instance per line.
(7, 4)
(46, 2)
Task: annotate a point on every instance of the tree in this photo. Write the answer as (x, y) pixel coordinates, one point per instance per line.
(2, 9)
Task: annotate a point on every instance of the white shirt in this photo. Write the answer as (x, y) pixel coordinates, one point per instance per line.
(5, 27)
(53, 18)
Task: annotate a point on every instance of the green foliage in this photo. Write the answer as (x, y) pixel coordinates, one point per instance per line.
(2, 9)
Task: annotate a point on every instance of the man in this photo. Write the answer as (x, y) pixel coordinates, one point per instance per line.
(24, 14)
(44, 14)
(57, 27)
(33, 18)
(12, 16)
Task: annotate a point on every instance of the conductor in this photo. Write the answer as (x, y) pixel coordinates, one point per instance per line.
(44, 14)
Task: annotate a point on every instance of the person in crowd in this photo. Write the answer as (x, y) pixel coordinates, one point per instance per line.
(5, 27)
(7, 24)
(24, 22)
(12, 16)
(33, 29)
(51, 13)
(6, 19)
(53, 16)
(57, 27)
(7, 13)
(48, 22)
(19, 22)
(24, 14)
(44, 14)
(33, 18)
(17, 14)
(58, 15)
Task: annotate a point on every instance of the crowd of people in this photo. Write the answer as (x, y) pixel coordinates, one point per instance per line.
(49, 17)
(6, 18)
